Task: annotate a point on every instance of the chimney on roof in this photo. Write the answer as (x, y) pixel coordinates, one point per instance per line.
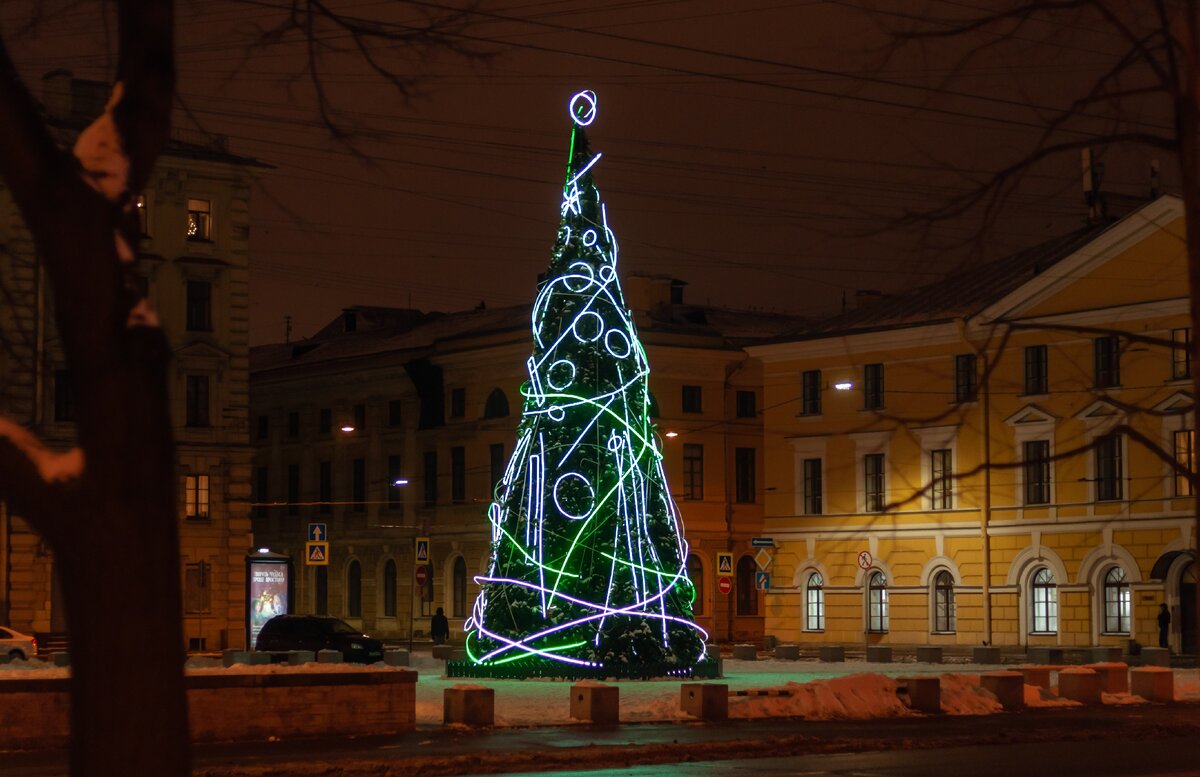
(865, 298)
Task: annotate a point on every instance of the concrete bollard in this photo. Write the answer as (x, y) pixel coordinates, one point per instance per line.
(1106, 655)
(443, 652)
(1036, 675)
(929, 654)
(985, 654)
(469, 705)
(329, 656)
(924, 692)
(879, 654)
(787, 652)
(1114, 677)
(231, 657)
(396, 657)
(61, 658)
(1079, 684)
(301, 657)
(1045, 655)
(832, 653)
(259, 658)
(1152, 683)
(595, 702)
(1156, 656)
(1007, 687)
(706, 701)
(745, 652)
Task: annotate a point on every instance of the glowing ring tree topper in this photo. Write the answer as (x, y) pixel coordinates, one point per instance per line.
(588, 564)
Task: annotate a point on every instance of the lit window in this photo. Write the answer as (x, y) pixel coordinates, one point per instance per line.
(814, 603)
(195, 497)
(1184, 458)
(943, 603)
(1117, 602)
(877, 603)
(1181, 353)
(199, 220)
(1044, 602)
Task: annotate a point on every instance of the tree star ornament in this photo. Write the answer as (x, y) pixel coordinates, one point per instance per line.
(588, 563)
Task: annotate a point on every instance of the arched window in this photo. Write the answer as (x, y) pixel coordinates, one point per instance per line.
(1116, 602)
(321, 594)
(814, 603)
(354, 590)
(496, 406)
(1044, 602)
(389, 589)
(747, 594)
(459, 608)
(943, 603)
(695, 573)
(877, 603)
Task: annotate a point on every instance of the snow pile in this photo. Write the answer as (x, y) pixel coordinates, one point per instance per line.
(1121, 699)
(1037, 696)
(963, 695)
(1187, 685)
(853, 697)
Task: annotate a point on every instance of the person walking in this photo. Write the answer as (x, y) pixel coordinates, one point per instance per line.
(1164, 624)
(439, 627)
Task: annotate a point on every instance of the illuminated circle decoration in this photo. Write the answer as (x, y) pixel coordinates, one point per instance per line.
(583, 108)
(588, 569)
(574, 496)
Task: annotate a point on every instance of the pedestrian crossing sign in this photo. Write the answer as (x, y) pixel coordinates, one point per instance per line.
(724, 563)
(422, 550)
(316, 554)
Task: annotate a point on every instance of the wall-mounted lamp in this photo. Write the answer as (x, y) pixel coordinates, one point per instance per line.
(347, 428)
(672, 435)
(400, 482)
(844, 385)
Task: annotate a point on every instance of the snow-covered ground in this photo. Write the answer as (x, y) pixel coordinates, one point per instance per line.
(852, 690)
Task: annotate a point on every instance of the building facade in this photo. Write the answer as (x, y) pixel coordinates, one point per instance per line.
(432, 401)
(194, 260)
(998, 458)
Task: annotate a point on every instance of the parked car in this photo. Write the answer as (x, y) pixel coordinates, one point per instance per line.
(318, 632)
(17, 645)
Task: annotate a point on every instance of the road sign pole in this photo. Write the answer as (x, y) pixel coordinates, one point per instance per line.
(412, 619)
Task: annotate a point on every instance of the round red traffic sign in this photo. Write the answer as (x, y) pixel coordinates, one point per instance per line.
(865, 560)
(422, 574)
(725, 585)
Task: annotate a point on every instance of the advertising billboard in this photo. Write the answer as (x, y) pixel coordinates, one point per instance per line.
(268, 594)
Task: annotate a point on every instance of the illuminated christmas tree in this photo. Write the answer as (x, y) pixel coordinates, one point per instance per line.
(587, 574)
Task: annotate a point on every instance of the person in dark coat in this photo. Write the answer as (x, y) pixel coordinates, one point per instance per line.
(439, 627)
(1164, 624)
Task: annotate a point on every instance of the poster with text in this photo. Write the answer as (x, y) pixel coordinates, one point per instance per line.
(268, 595)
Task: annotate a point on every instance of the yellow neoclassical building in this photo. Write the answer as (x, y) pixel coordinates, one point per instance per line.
(994, 458)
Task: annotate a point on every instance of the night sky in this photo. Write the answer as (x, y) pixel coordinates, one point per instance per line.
(759, 150)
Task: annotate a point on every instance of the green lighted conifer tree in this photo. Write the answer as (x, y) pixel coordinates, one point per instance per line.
(587, 574)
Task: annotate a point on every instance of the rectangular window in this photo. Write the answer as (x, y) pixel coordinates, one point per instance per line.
(261, 489)
(394, 407)
(199, 219)
(199, 306)
(810, 392)
(325, 487)
(941, 473)
(431, 478)
(65, 406)
(458, 474)
(394, 492)
(496, 463)
(966, 386)
(873, 387)
(1107, 352)
(692, 399)
(1035, 464)
(1108, 467)
(360, 417)
(358, 485)
(1181, 353)
(744, 471)
(293, 489)
(1037, 376)
(693, 471)
(1185, 459)
(293, 424)
(197, 400)
(747, 404)
(324, 421)
(873, 497)
(195, 497)
(458, 403)
(812, 487)
(197, 589)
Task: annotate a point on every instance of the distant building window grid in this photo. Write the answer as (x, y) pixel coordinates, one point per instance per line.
(814, 603)
(812, 487)
(1185, 459)
(1037, 377)
(873, 485)
(1044, 602)
(693, 471)
(199, 219)
(810, 392)
(195, 497)
(873, 387)
(1107, 351)
(966, 379)
(877, 603)
(941, 488)
(692, 397)
(1181, 353)
(746, 404)
(1117, 602)
(1108, 468)
(744, 475)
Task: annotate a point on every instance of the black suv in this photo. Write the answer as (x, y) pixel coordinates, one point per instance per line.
(318, 632)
